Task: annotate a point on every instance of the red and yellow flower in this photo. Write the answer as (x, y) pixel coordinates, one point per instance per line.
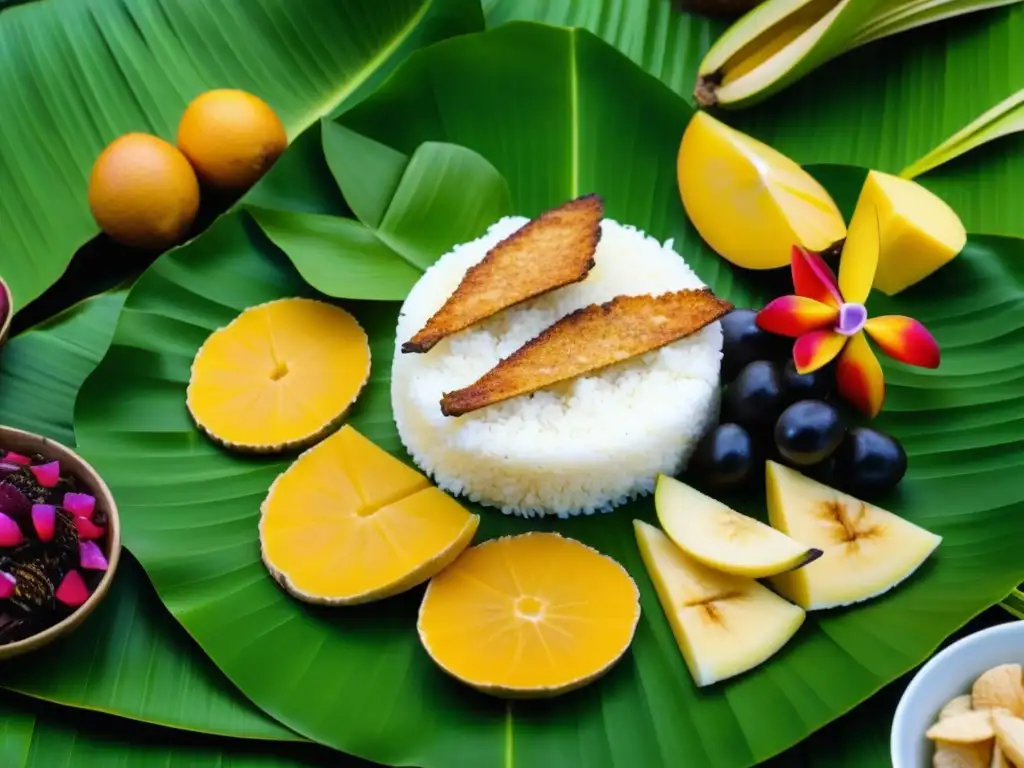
(828, 320)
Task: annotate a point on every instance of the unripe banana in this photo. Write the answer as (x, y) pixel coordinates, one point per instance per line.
(780, 41)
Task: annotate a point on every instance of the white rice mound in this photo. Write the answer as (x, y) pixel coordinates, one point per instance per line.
(583, 446)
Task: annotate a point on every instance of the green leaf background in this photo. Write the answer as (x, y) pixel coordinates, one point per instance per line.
(884, 106)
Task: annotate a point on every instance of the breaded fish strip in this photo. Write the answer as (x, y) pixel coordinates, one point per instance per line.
(587, 340)
(549, 252)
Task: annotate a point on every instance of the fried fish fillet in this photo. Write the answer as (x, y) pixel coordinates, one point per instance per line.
(587, 340)
(551, 251)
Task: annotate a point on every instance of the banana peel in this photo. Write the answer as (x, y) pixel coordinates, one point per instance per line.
(781, 41)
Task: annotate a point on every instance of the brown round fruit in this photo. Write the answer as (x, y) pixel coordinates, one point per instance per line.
(231, 138)
(143, 192)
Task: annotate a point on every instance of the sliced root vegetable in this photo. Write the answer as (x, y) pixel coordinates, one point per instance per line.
(1001, 687)
(10, 532)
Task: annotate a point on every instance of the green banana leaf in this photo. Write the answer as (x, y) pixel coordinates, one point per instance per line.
(655, 34)
(357, 679)
(74, 74)
(130, 658)
(383, 254)
(32, 736)
(1003, 119)
(881, 106)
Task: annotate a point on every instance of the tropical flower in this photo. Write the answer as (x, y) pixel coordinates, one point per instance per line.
(828, 320)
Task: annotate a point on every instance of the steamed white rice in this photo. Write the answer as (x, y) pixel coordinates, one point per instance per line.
(584, 446)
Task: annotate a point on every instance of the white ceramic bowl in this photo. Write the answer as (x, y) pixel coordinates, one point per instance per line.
(950, 673)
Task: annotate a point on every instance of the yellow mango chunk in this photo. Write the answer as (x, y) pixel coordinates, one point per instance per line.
(919, 232)
(348, 523)
(750, 203)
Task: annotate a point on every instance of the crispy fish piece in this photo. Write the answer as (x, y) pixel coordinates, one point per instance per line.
(587, 340)
(549, 252)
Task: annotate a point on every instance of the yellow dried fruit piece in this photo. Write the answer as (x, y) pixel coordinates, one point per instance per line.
(280, 375)
(529, 616)
(749, 202)
(1001, 687)
(965, 728)
(951, 755)
(918, 231)
(1009, 733)
(348, 523)
(956, 706)
(999, 759)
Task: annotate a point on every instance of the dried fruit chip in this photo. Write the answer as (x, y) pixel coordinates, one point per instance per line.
(999, 758)
(965, 728)
(956, 706)
(1001, 687)
(1009, 733)
(950, 755)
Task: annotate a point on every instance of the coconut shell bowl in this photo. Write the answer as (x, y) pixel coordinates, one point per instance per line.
(60, 541)
(6, 311)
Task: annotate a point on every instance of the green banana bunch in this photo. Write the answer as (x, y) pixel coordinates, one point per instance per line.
(780, 41)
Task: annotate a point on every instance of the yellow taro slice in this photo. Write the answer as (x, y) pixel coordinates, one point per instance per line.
(280, 375)
(529, 616)
(348, 523)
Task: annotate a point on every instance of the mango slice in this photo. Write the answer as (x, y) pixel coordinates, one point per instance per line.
(750, 203)
(348, 523)
(919, 232)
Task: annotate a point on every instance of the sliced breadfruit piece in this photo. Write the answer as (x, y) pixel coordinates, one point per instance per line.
(724, 624)
(867, 550)
(554, 250)
(750, 203)
(279, 376)
(348, 523)
(723, 539)
(529, 616)
(918, 231)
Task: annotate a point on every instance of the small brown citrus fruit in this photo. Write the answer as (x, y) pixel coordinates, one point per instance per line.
(143, 192)
(231, 138)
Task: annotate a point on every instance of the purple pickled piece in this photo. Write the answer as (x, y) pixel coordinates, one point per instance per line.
(16, 458)
(44, 518)
(10, 533)
(80, 504)
(13, 502)
(87, 529)
(91, 556)
(72, 590)
(7, 585)
(47, 474)
(7, 468)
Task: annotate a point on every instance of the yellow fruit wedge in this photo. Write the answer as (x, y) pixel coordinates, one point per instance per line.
(348, 523)
(724, 624)
(867, 550)
(529, 616)
(1010, 736)
(721, 538)
(919, 232)
(750, 203)
(280, 375)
